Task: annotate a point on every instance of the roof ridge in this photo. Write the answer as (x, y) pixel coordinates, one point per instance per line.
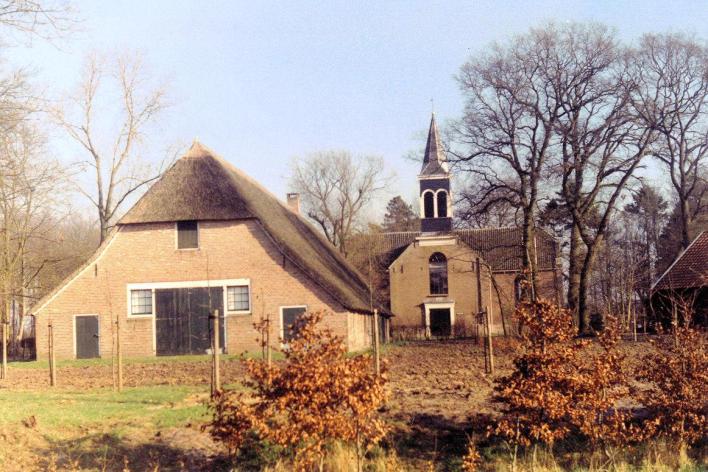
(678, 258)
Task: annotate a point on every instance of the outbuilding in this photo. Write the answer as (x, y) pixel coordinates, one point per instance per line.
(683, 288)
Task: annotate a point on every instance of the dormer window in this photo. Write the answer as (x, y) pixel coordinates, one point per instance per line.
(187, 235)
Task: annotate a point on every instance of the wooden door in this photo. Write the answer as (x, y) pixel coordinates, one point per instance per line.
(182, 319)
(440, 325)
(87, 336)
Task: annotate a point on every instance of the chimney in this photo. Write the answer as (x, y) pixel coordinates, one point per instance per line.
(293, 200)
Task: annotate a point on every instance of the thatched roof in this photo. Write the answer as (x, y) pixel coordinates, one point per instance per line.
(690, 269)
(501, 248)
(203, 186)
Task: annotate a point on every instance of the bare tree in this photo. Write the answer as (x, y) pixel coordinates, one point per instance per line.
(601, 144)
(336, 188)
(46, 19)
(672, 98)
(117, 166)
(32, 191)
(508, 125)
(474, 212)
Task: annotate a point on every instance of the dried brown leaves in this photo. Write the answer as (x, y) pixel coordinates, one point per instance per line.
(316, 396)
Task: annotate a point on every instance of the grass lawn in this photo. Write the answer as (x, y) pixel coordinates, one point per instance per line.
(158, 406)
(104, 361)
(101, 429)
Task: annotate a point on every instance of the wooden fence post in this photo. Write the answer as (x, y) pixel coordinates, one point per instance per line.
(52, 359)
(216, 375)
(488, 345)
(377, 354)
(4, 349)
(269, 355)
(119, 356)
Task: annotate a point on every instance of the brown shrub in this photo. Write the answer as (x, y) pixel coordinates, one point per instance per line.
(558, 387)
(315, 397)
(677, 374)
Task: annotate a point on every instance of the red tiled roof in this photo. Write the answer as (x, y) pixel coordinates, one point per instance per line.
(690, 269)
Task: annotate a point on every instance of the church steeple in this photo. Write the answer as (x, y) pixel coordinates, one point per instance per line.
(434, 181)
(434, 161)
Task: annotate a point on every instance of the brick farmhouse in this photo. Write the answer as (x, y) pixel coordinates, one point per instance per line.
(204, 237)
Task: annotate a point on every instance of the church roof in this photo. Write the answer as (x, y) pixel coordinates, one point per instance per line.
(203, 186)
(501, 248)
(690, 269)
(434, 160)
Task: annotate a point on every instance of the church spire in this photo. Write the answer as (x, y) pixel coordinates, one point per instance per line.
(434, 182)
(434, 161)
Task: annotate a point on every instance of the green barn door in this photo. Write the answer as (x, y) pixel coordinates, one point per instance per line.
(182, 319)
(87, 336)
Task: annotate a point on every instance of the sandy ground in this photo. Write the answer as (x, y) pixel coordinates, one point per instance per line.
(438, 390)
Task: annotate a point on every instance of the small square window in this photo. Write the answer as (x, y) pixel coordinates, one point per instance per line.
(141, 302)
(187, 235)
(290, 316)
(237, 298)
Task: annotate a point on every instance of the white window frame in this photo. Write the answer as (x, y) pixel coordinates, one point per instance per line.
(199, 237)
(223, 283)
(422, 204)
(226, 299)
(448, 203)
(99, 330)
(434, 306)
(130, 304)
(282, 323)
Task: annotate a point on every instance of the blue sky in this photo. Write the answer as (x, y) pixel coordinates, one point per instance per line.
(261, 82)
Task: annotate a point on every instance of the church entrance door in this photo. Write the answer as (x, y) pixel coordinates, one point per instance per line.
(440, 322)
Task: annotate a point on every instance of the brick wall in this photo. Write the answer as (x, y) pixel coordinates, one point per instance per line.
(147, 253)
(410, 284)
(410, 287)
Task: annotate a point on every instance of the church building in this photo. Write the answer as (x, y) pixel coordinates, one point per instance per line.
(438, 281)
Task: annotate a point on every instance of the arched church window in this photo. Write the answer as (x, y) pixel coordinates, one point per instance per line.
(429, 204)
(442, 204)
(437, 266)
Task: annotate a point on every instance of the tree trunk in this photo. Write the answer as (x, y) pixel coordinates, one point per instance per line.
(529, 249)
(104, 230)
(685, 222)
(574, 270)
(585, 273)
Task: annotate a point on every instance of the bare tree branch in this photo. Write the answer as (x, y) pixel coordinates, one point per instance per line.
(118, 172)
(337, 188)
